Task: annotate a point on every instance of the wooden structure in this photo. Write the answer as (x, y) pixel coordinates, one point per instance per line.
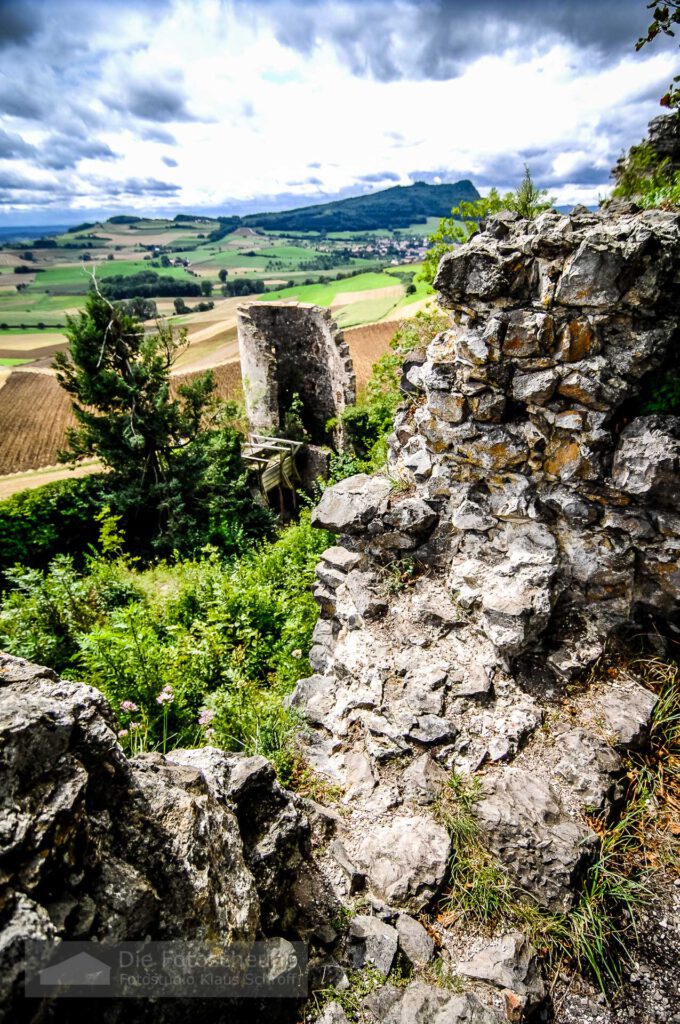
(273, 460)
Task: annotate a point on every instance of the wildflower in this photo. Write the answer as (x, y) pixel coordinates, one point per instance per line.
(135, 725)
(122, 733)
(166, 696)
(297, 653)
(209, 733)
(129, 705)
(206, 716)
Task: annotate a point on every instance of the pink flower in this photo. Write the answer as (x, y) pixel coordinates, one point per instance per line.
(166, 696)
(135, 725)
(206, 716)
(129, 705)
(122, 733)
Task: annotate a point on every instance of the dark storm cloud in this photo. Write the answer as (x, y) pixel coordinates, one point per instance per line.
(379, 176)
(437, 39)
(154, 101)
(18, 22)
(13, 146)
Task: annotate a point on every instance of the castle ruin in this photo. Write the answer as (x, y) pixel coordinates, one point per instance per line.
(289, 350)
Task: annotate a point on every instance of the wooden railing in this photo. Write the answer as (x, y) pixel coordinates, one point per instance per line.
(273, 460)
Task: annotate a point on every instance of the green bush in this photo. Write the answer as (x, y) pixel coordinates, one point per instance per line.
(58, 518)
(647, 179)
(195, 651)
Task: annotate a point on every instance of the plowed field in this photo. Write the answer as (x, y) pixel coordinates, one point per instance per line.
(34, 415)
(366, 345)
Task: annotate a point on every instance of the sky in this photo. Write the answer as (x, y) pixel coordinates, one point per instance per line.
(236, 106)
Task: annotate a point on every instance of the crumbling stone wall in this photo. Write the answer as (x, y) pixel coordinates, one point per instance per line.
(535, 513)
(288, 350)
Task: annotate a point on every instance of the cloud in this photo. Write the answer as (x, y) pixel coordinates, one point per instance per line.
(158, 135)
(153, 101)
(12, 146)
(19, 101)
(379, 176)
(61, 152)
(438, 39)
(136, 187)
(168, 161)
(18, 22)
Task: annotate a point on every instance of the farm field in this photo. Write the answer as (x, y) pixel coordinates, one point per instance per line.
(35, 411)
(43, 282)
(356, 275)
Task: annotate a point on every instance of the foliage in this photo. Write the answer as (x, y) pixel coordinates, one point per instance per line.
(36, 525)
(142, 309)
(176, 474)
(351, 999)
(201, 650)
(665, 16)
(527, 201)
(396, 207)
(647, 179)
(243, 286)
(146, 284)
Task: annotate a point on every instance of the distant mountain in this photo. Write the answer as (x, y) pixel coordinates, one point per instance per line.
(391, 208)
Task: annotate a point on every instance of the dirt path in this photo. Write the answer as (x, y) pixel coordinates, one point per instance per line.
(15, 482)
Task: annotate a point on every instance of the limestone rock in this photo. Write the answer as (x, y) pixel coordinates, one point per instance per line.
(372, 942)
(626, 709)
(420, 1003)
(424, 780)
(591, 768)
(333, 1013)
(406, 860)
(414, 941)
(540, 845)
(432, 729)
(191, 845)
(647, 459)
(508, 963)
(411, 516)
(347, 507)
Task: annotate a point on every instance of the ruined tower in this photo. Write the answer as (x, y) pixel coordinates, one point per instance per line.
(288, 350)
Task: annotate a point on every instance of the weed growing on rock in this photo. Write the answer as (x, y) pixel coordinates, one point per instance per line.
(596, 933)
(478, 886)
(361, 984)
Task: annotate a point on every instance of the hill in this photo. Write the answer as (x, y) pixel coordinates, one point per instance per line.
(396, 207)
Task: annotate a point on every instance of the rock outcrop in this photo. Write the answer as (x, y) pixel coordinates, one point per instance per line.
(196, 845)
(527, 513)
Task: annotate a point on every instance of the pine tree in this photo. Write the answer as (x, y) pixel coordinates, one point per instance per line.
(175, 471)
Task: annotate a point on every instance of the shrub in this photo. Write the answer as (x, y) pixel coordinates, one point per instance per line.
(59, 517)
(202, 650)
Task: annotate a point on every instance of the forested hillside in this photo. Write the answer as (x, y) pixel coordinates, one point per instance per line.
(396, 207)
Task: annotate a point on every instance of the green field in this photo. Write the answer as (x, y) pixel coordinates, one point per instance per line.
(323, 294)
(14, 362)
(63, 277)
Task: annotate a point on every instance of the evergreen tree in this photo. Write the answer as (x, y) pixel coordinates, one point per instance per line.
(175, 470)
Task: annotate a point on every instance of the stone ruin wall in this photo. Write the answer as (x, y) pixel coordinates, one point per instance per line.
(288, 349)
